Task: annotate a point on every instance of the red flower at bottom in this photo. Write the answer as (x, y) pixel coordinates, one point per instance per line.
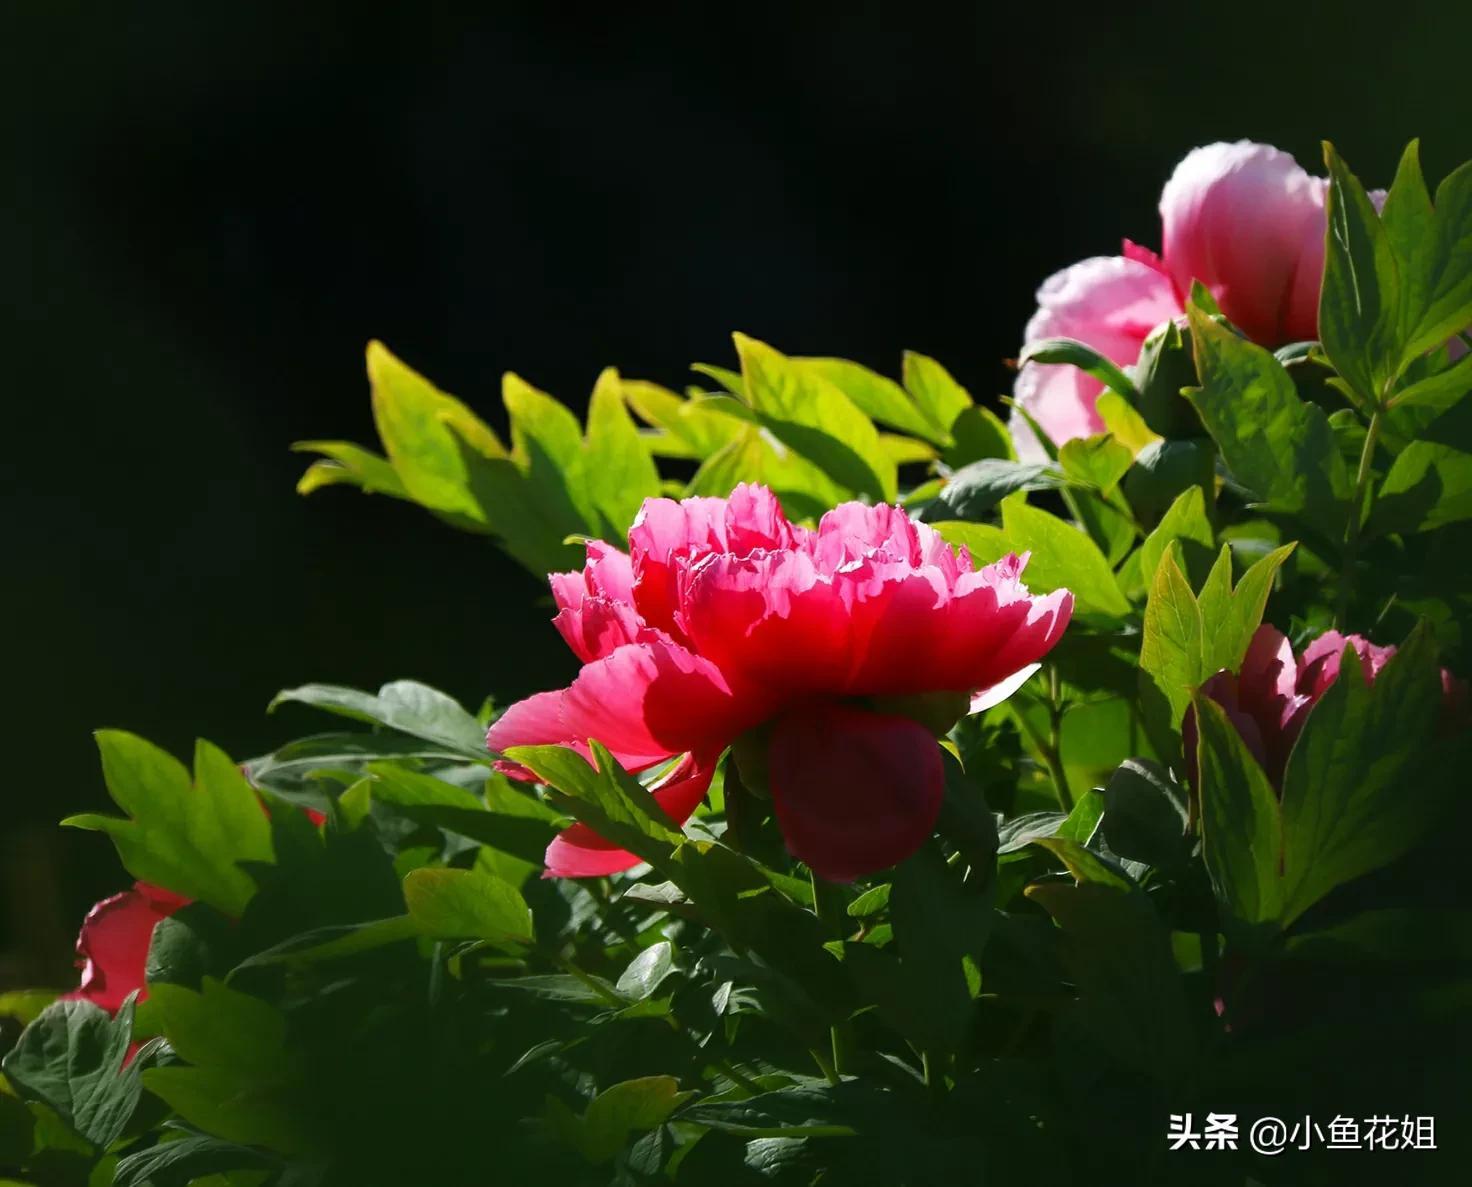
(112, 949)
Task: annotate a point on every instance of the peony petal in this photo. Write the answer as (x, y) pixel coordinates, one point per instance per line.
(755, 520)
(607, 573)
(579, 852)
(597, 625)
(987, 698)
(113, 945)
(666, 532)
(1108, 302)
(900, 644)
(647, 701)
(768, 619)
(854, 531)
(854, 792)
(1224, 688)
(1318, 667)
(1248, 222)
(669, 536)
(994, 626)
(644, 701)
(535, 721)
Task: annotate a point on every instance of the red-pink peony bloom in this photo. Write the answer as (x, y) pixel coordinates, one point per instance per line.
(112, 949)
(1244, 219)
(1269, 699)
(724, 617)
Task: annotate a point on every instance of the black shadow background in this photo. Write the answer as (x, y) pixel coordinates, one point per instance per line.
(205, 212)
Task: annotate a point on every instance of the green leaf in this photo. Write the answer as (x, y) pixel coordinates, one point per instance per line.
(874, 901)
(1124, 423)
(351, 464)
(513, 822)
(702, 425)
(811, 416)
(1145, 816)
(25, 1005)
(1099, 461)
(938, 923)
(1430, 482)
(1163, 469)
(605, 797)
(1171, 652)
(249, 1113)
(189, 1158)
(1131, 999)
(1186, 523)
(404, 705)
(877, 397)
(618, 468)
(332, 943)
(547, 447)
(1241, 825)
(1438, 391)
(1083, 863)
(295, 770)
(975, 490)
(467, 905)
(615, 1114)
(906, 451)
(939, 396)
(1062, 557)
(1360, 321)
(978, 433)
(754, 455)
(1073, 353)
(1230, 617)
(1164, 369)
(1434, 253)
(729, 380)
(646, 971)
(71, 1060)
(421, 428)
(1277, 445)
(1350, 803)
(187, 837)
(799, 1111)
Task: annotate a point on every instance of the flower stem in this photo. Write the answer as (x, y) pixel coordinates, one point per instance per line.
(831, 907)
(1356, 507)
(1054, 752)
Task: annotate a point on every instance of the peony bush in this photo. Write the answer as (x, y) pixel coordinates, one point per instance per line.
(940, 799)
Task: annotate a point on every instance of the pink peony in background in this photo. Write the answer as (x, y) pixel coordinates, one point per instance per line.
(724, 618)
(1269, 699)
(1244, 219)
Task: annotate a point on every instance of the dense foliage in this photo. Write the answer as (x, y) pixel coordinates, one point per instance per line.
(1205, 859)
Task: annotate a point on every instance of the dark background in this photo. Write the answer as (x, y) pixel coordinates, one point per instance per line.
(206, 211)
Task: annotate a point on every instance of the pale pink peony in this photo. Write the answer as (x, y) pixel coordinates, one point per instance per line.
(724, 617)
(1244, 219)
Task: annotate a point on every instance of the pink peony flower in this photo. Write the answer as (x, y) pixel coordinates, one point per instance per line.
(112, 949)
(724, 617)
(1244, 219)
(1269, 699)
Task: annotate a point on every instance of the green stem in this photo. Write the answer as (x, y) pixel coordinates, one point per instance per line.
(1356, 508)
(1054, 753)
(831, 906)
